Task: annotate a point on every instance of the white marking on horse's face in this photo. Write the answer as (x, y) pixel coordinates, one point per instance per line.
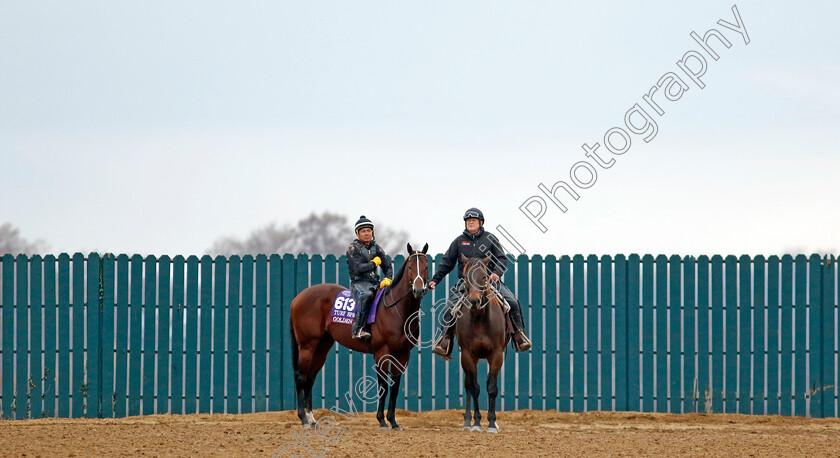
(418, 290)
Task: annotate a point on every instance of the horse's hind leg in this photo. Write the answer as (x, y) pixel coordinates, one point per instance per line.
(301, 383)
(495, 361)
(310, 362)
(317, 363)
(310, 416)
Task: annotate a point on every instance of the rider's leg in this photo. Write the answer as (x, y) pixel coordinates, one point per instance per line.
(520, 339)
(362, 295)
(443, 346)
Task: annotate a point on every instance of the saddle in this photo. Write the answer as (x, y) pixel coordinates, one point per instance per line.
(495, 291)
(373, 306)
(509, 329)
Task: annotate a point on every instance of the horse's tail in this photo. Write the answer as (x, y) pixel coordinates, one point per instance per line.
(295, 353)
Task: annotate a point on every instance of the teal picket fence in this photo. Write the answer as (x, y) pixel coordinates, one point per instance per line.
(113, 336)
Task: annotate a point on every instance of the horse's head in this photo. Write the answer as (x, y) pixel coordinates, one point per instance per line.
(476, 279)
(417, 270)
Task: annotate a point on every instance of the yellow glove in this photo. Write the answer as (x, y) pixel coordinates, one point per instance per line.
(376, 260)
(385, 282)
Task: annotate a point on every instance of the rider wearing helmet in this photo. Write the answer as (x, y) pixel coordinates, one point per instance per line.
(363, 256)
(475, 242)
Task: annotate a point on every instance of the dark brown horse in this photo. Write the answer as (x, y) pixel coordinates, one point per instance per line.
(313, 333)
(481, 335)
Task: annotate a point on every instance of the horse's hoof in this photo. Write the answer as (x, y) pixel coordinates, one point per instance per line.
(466, 428)
(310, 417)
(396, 428)
(308, 426)
(476, 429)
(384, 428)
(493, 430)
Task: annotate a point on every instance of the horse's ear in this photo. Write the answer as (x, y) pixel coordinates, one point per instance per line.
(408, 247)
(464, 259)
(425, 248)
(486, 260)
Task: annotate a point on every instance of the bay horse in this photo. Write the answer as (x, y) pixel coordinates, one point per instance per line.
(481, 333)
(313, 333)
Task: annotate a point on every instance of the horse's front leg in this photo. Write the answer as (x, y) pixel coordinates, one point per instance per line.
(477, 414)
(392, 404)
(383, 395)
(468, 395)
(471, 391)
(496, 361)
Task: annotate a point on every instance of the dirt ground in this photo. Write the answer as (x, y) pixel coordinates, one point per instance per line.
(438, 433)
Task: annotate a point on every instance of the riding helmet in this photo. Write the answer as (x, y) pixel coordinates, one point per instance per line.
(474, 213)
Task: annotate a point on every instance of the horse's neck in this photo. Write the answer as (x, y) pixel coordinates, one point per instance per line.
(400, 295)
(483, 314)
(408, 306)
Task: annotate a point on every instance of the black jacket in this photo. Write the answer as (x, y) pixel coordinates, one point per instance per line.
(359, 262)
(480, 245)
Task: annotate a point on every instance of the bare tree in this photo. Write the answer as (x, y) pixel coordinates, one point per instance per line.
(11, 242)
(392, 241)
(327, 233)
(264, 240)
(320, 234)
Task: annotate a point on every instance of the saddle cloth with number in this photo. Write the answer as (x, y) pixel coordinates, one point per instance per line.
(344, 308)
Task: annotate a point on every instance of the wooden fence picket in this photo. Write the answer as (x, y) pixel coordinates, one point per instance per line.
(111, 336)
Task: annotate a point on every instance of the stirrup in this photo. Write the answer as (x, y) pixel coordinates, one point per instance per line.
(362, 335)
(526, 342)
(444, 353)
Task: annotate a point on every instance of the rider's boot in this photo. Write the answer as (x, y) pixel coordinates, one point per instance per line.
(520, 339)
(443, 346)
(359, 332)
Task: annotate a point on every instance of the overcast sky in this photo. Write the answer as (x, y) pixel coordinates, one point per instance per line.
(160, 126)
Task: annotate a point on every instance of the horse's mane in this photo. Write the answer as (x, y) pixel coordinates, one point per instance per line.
(400, 273)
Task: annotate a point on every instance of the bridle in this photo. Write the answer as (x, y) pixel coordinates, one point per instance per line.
(417, 276)
(425, 288)
(488, 292)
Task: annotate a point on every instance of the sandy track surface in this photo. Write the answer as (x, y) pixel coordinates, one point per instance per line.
(438, 433)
